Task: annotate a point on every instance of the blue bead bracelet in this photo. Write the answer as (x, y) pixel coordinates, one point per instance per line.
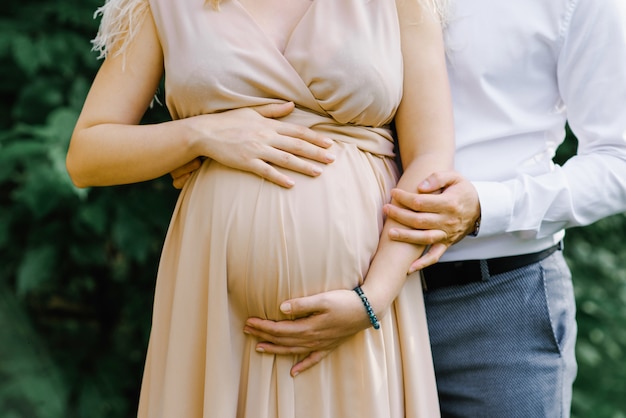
(368, 307)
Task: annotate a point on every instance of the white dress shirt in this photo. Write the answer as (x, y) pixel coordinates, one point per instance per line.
(518, 71)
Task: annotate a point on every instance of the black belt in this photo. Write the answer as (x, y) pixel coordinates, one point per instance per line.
(458, 273)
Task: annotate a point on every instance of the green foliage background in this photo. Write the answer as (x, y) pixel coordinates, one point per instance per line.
(77, 267)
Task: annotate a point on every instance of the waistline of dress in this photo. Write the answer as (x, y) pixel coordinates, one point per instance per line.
(376, 140)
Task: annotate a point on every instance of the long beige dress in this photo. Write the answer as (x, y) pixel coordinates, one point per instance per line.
(238, 245)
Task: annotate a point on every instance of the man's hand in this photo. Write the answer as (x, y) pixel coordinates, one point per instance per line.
(253, 140)
(182, 174)
(443, 212)
(324, 321)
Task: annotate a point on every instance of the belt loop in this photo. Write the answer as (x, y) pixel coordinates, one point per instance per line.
(484, 270)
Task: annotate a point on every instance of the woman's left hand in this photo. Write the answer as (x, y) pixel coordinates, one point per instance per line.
(323, 322)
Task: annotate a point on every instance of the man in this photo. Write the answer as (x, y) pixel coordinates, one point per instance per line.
(500, 303)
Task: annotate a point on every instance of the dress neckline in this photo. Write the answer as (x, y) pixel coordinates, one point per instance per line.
(264, 34)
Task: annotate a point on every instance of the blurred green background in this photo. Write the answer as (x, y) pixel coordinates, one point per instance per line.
(77, 267)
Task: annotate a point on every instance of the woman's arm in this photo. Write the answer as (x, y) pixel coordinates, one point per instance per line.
(109, 147)
(426, 138)
(424, 125)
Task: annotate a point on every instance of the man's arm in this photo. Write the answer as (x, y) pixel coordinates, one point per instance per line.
(591, 185)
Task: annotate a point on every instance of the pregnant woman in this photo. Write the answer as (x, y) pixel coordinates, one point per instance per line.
(281, 207)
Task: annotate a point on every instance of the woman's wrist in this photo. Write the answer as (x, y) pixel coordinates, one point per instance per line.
(368, 308)
(193, 134)
(379, 298)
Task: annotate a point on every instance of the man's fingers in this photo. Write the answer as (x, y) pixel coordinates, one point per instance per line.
(415, 219)
(404, 216)
(418, 237)
(182, 174)
(437, 181)
(180, 181)
(188, 168)
(430, 257)
(417, 202)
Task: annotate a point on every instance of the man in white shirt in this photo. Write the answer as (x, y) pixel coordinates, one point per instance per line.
(500, 303)
(503, 326)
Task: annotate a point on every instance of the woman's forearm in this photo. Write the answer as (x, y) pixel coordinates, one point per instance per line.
(390, 265)
(110, 154)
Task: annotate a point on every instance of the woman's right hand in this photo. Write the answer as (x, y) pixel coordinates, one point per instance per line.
(251, 139)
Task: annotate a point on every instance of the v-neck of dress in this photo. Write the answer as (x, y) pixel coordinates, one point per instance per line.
(265, 35)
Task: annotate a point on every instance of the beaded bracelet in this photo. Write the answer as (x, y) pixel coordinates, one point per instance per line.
(368, 307)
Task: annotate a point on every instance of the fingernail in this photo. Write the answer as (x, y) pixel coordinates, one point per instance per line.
(260, 350)
(412, 270)
(317, 170)
(328, 141)
(425, 184)
(285, 307)
(246, 330)
(330, 157)
(290, 182)
(393, 233)
(295, 374)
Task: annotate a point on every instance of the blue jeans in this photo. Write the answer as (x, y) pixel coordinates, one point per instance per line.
(504, 347)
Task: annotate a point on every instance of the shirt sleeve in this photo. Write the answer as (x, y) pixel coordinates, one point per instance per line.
(591, 77)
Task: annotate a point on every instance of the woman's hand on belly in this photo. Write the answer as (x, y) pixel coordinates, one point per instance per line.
(324, 321)
(253, 140)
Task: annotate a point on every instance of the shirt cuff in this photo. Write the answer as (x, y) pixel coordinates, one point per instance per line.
(496, 207)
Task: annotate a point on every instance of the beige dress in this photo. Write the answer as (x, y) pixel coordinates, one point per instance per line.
(238, 245)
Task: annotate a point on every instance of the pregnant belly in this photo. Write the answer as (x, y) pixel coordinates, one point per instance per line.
(281, 243)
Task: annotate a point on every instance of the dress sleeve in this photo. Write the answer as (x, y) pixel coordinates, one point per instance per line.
(119, 23)
(591, 75)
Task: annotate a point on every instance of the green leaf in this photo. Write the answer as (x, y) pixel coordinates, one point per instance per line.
(94, 216)
(35, 269)
(25, 54)
(15, 154)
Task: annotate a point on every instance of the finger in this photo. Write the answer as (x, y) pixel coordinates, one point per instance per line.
(269, 348)
(309, 361)
(424, 203)
(406, 217)
(271, 338)
(300, 132)
(291, 130)
(306, 143)
(402, 198)
(270, 343)
(437, 181)
(188, 168)
(291, 162)
(180, 181)
(275, 110)
(418, 236)
(429, 258)
(414, 219)
(278, 332)
(265, 170)
(305, 306)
